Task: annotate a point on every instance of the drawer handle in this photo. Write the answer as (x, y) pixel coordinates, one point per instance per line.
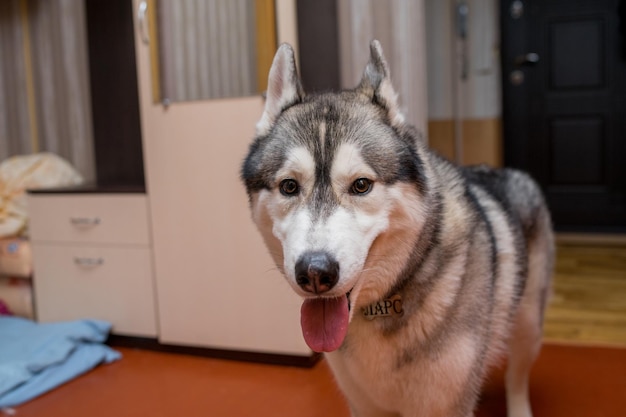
(88, 262)
(85, 221)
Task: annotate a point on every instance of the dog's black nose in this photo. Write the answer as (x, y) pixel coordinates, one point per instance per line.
(317, 272)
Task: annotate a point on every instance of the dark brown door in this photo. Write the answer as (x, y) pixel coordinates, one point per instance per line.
(564, 105)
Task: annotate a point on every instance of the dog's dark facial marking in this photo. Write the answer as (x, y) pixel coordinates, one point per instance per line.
(391, 153)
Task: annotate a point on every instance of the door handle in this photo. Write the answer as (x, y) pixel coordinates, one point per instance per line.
(88, 262)
(526, 60)
(142, 20)
(85, 221)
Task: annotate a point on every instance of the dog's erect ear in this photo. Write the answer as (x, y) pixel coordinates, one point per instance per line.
(376, 84)
(283, 88)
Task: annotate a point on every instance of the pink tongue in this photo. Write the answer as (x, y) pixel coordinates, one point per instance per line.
(324, 322)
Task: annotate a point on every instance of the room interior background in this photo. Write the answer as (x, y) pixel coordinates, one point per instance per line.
(45, 100)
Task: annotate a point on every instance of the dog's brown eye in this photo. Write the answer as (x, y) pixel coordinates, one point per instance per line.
(361, 186)
(289, 187)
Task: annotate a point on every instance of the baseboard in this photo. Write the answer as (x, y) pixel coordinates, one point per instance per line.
(555, 341)
(602, 239)
(242, 356)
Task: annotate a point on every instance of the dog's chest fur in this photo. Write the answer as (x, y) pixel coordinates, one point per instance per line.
(390, 383)
(425, 357)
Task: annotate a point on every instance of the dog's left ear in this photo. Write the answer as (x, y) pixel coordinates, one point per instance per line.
(376, 84)
(283, 88)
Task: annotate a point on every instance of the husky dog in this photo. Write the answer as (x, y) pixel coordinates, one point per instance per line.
(416, 274)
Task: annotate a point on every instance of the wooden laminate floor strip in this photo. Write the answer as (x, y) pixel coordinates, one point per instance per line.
(588, 305)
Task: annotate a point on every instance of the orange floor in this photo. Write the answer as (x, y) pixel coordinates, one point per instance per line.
(566, 382)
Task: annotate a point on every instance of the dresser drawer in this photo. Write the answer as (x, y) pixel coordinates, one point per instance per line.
(108, 283)
(106, 218)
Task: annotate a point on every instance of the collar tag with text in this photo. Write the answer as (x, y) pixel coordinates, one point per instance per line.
(384, 308)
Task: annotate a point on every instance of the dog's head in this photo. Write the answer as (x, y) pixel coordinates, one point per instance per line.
(336, 186)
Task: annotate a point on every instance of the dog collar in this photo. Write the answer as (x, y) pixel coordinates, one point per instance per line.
(388, 307)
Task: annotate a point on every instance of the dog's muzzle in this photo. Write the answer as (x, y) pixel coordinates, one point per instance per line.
(317, 272)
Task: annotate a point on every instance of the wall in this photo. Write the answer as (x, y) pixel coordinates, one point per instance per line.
(471, 106)
(399, 26)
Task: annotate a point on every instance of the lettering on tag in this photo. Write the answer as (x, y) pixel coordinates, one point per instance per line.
(384, 308)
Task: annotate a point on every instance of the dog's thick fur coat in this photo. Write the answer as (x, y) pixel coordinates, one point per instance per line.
(364, 221)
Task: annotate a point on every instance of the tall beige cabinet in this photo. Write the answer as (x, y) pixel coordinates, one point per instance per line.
(215, 284)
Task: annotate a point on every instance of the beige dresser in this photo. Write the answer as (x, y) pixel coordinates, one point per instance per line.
(93, 259)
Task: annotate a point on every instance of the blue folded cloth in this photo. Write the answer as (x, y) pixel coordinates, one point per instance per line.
(34, 358)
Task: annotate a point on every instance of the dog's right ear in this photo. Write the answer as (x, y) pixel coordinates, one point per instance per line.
(283, 88)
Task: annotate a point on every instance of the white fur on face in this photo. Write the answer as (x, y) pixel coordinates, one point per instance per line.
(347, 233)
